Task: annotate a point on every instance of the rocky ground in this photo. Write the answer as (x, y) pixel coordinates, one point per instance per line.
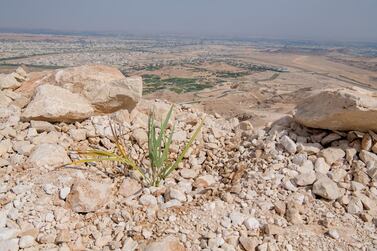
(280, 187)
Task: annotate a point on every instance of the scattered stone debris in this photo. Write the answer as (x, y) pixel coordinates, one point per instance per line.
(281, 187)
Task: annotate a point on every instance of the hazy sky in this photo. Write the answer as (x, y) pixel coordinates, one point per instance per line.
(354, 20)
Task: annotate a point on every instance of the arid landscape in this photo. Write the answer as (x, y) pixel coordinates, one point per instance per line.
(255, 80)
(276, 142)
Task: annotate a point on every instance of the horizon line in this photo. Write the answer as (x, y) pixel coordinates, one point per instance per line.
(67, 32)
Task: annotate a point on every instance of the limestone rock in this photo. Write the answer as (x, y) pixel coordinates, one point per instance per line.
(311, 148)
(167, 244)
(104, 87)
(56, 104)
(179, 136)
(8, 81)
(366, 156)
(374, 148)
(188, 173)
(88, 196)
(237, 218)
(272, 229)
(326, 188)
(288, 144)
(48, 155)
(9, 245)
(140, 135)
(333, 233)
(366, 143)
(63, 193)
(252, 223)
(148, 200)
(350, 154)
(42, 126)
(26, 241)
(7, 233)
(5, 146)
(9, 116)
(249, 243)
(332, 154)
(4, 100)
(372, 172)
(330, 138)
(204, 181)
(129, 245)
(129, 187)
(321, 166)
(339, 109)
(176, 193)
(77, 134)
(23, 147)
(355, 206)
(20, 74)
(305, 179)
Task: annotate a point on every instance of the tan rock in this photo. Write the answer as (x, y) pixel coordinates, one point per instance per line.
(204, 181)
(20, 74)
(140, 135)
(272, 229)
(321, 166)
(4, 100)
(55, 104)
(326, 188)
(350, 154)
(374, 148)
(5, 146)
(179, 136)
(366, 156)
(77, 134)
(366, 143)
(249, 243)
(88, 196)
(42, 126)
(332, 154)
(9, 116)
(311, 148)
(280, 207)
(330, 138)
(48, 155)
(305, 179)
(339, 109)
(105, 88)
(288, 144)
(167, 244)
(8, 81)
(129, 187)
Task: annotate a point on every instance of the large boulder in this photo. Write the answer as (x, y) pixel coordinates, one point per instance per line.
(339, 109)
(105, 88)
(56, 104)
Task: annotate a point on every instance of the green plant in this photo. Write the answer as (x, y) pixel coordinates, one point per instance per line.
(158, 146)
(159, 141)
